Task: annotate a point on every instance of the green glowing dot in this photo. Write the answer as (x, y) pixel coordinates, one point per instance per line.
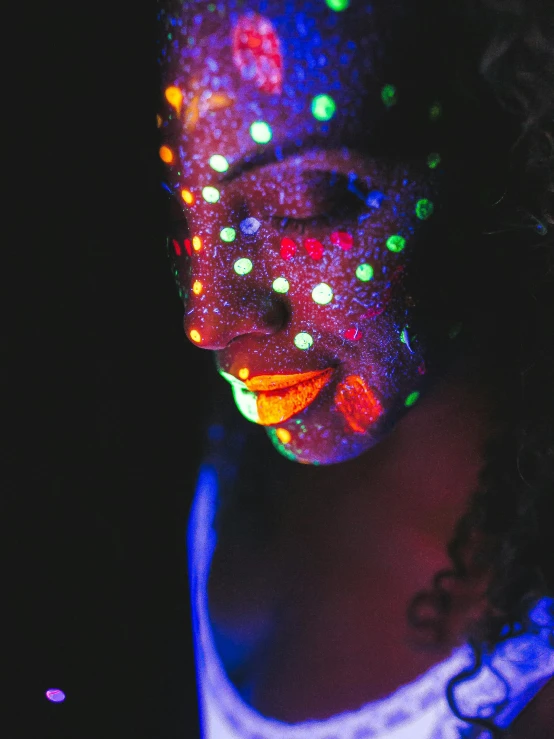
(433, 160)
(322, 293)
(388, 95)
(210, 194)
(364, 272)
(211, 7)
(337, 5)
(281, 285)
(219, 163)
(303, 341)
(261, 132)
(411, 399)
(454, 330)
(323, 107)
(435, 111)
(396, 243)
(227, 234)
(243, 266)
(424, 208)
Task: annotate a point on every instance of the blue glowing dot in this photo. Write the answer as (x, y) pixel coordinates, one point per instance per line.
(250, 226)
(374, 199)
(55, 695)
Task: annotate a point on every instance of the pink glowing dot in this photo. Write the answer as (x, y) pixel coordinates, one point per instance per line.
(352, 334)
(188, 247)
(55, 695)
(421, 369)
(314, 248)
(177, 247)
(342, 239)
(288, 248)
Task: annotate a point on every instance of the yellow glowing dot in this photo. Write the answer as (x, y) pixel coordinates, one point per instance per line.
(243, 373)
(194, 335)
(283, 435)
(197, 287)
(158, 121)
(196, 243)
(187, 196)
(166, 155)
(174, 97)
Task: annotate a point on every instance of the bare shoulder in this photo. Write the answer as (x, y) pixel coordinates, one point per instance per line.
(536, 721)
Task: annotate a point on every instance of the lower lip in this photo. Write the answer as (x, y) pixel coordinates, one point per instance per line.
(277, 406)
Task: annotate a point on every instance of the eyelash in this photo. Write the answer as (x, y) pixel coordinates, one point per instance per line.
(288, 223)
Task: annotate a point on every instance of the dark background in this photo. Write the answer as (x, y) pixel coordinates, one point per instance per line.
(104, 397)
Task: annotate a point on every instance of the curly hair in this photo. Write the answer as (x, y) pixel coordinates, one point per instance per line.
(508, 526)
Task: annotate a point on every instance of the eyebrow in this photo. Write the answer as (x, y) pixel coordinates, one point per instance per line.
(274, 154)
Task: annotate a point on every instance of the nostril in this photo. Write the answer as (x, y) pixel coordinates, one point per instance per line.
(277, 315)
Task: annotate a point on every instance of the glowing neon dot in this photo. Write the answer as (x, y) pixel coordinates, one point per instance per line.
(281, 285)
(174, 97)
(261, 132)
(243, 373)
(288, 248)
(374, 199)
(197, 287)
(219, 163)
(424, 208)
(55, 695)
(314, 248)
(388, 95)
(435, 111)
(433, 160)
(250, 226)
(396, 243)
(188, 247)
(322, 294)
(210, 194)
(194, 335)
(187, 196)
(337, 5)
(177, 247)
(196, 243)
(227, 234)
(364, 272)
(352, 334)
(158, 121)
(166, 155)
(323, 107)
(303, 340)
(342, 239)
(243, 266)
(283, 435)
(411, 399)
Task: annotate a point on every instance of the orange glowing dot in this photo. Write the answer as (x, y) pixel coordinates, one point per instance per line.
(194, 335)
(243, 373)
(158, 121)
(197, 287)
(196, 243)
(187, 196)
(174, 97)
(283, 435)
(166, 155)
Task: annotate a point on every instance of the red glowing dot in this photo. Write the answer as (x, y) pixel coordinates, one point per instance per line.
(352, 334)
(314, 248)
(342, 239)
(188, 247)
(421, 369)
(288, 248)
(177, 247)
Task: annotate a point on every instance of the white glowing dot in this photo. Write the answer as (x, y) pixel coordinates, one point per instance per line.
(250, 226)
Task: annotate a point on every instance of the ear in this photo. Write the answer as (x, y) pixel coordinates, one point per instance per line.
(536, 721)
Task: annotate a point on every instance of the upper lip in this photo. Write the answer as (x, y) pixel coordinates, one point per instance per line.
(266, 383)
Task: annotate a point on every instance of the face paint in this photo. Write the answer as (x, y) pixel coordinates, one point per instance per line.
(299, 241)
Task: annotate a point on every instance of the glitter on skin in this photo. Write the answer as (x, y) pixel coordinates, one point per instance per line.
(250, 226)
(243, 266)
(210, 194)
(174, 97)
(322, 294)
(424, 209)
(196, 243)
(187, 196)
(227, 234)
(195, 336)
(303, 340)
(281, 285)
(396, 243)
(364, 272)
(357, 403)
(219, 163)
(323, 107)
(283, 435)
(261, 132)
(197, 287)
(388, 95)
(411, 399)
(166, 155)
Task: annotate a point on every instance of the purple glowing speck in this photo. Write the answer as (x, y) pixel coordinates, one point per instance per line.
(55, 695)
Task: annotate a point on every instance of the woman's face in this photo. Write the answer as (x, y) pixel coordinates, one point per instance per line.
(300, 145)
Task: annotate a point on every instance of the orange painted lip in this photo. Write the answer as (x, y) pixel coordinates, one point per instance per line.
(293, 394)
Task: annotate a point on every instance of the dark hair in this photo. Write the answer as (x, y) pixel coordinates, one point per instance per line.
(508, 527)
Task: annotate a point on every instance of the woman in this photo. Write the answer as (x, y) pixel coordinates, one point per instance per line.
(362, 239)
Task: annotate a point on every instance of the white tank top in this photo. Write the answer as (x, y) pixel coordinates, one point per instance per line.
(509, 678)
